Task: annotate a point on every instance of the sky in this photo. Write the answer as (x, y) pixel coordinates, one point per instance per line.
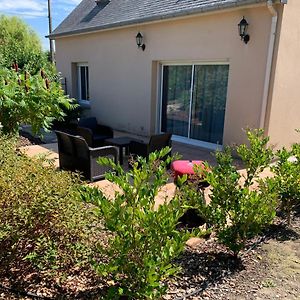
(35, 13)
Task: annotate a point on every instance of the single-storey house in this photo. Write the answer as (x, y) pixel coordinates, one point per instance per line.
(201, 69)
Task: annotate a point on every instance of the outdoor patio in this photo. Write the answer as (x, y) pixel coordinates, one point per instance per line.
(187, 152)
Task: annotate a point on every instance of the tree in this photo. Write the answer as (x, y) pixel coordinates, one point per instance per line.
(20, 44)
(30, 89)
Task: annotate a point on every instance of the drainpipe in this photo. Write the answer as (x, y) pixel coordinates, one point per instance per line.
(274, 14)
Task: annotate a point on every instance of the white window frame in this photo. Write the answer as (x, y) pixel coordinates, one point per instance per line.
(78, 72)
(178, 138)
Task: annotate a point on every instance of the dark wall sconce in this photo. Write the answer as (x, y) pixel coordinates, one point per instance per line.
(243, 27)
(139, 41)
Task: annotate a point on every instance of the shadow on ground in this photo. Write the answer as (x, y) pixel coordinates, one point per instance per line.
(200, 270)
(282, 233)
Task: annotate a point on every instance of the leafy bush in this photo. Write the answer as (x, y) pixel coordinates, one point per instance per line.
(43, 220)
(143, 240)
(237, 211)
(257, 156)
(287, 179)
(30, 99)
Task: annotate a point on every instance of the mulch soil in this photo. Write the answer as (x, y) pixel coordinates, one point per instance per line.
(209, 272)
(25, 139)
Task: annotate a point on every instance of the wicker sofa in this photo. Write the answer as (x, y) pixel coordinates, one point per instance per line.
(155, 143)
(76, 155)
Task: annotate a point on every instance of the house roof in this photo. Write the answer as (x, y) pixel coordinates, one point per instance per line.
(89, 16)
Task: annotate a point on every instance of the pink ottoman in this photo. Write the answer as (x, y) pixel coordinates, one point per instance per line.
(181, 167)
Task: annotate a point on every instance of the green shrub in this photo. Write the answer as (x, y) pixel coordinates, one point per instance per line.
(287, 179)
(237, 211)
(257, 156)
(43, 220)
(34, 100)
(143, 241)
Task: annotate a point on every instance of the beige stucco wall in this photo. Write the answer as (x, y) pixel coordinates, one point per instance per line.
(284, 103)
(123, 79)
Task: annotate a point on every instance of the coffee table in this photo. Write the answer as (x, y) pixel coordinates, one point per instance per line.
(121, 142)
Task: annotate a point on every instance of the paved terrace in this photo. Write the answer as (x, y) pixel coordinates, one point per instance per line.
(186, 151)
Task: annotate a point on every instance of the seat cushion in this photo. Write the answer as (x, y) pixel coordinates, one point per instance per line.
(100, 137)
(181, 167)
(88, 123)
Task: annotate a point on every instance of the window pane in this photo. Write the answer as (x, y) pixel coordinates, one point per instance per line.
(208, 104)
(83, 83)
(176, 99)
(87, 83)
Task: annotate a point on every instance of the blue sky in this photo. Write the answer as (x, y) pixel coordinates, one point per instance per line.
(35, 13)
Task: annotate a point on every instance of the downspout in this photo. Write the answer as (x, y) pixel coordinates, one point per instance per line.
(274, 14)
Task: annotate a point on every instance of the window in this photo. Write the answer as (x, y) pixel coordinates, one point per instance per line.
(83, 82)
(193, 101)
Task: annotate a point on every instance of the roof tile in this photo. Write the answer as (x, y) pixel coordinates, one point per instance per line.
(88, 16)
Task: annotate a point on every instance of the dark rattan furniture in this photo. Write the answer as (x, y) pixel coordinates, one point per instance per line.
(66, 151)
(76, 155)
(121, 142)
(93, 133)
(156, 142)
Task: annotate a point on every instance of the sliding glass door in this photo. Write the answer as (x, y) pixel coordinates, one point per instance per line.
(193, 101)
(176, 99)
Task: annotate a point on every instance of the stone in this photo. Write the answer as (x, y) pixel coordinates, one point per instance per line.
(194, 242)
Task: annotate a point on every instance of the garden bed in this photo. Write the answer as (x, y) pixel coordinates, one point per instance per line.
(268, 269)
(26, 139)
(143, 242)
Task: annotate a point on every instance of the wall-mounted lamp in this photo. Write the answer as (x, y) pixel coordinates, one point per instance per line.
(139, 41)
(243, 27)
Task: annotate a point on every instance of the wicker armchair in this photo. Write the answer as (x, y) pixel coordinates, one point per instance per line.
(93, 133)
(87, 159)
(156, 142)
(66, 151)
(75, 154)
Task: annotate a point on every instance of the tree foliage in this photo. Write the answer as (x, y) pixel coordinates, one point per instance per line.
(33, 100)
(20, 44)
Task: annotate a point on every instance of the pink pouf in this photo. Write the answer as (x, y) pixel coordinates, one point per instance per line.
(181, 167)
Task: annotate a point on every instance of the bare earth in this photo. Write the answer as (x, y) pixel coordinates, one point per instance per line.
(269, 271)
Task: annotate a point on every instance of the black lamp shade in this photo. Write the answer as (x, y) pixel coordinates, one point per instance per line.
(243, 26)
(139, 39)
